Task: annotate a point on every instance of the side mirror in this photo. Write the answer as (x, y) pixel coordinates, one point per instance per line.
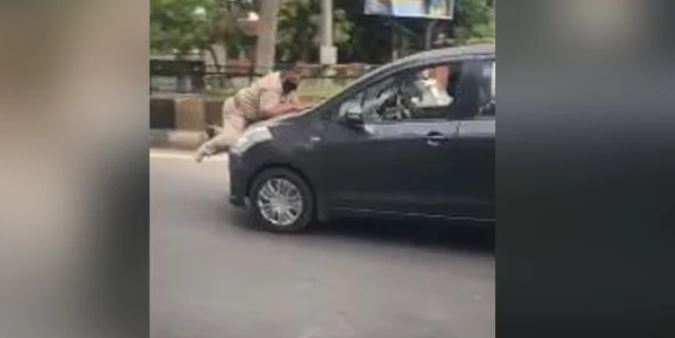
(353, 117)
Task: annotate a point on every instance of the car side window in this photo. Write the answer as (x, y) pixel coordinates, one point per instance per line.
(475, 91)
(380, 98)
(489, 87)
(416, 94)
(461, 90)
(352, 104)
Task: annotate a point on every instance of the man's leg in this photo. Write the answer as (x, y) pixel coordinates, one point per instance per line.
(233, 126)
(219, 143)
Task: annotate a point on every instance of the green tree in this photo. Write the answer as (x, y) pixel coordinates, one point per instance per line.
(372, 37)
(177, 25)
(474, 21)
(183, 25)
(298, 30)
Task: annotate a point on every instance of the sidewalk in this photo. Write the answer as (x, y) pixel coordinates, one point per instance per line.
(184, 155)
(176, 139)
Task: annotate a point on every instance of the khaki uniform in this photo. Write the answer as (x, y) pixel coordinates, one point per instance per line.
(244, 109)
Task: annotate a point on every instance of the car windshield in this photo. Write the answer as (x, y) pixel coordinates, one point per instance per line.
(320, 89)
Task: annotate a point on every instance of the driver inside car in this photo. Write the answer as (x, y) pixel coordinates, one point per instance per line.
(394, 102)
(407, 96)
(432, 85)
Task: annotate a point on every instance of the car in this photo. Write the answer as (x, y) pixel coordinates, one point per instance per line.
(413, 138)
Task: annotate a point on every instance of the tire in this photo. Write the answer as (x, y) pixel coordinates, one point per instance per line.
(298, 190)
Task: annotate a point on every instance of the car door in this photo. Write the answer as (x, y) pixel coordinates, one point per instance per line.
(387, 165)
(475, 170)
(473, 192)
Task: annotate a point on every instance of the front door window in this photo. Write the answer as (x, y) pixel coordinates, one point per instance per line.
(424, 93)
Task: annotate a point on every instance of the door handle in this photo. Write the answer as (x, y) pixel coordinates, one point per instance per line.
(435, 138)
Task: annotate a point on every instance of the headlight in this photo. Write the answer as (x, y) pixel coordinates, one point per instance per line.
(251, 137)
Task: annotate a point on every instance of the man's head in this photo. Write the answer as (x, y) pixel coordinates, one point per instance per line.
(290, 79)
(441, 74)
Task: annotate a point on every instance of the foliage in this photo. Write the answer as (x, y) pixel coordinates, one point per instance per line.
(370, 38)
(180, 25)
(184, 25)
(373, 37)
(474, 20)
(299, 26)
(175, 25)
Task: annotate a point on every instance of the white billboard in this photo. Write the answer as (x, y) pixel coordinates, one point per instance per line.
(431, 9)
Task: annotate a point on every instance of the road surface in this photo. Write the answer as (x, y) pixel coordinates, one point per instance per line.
(212, 276)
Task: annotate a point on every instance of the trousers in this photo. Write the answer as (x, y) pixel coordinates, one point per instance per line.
(234, 125)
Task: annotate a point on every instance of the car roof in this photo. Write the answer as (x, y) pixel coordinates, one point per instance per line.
(431, 56)
(442, 53)
(448, 52)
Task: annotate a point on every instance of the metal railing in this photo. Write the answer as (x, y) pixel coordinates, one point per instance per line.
(196, 77)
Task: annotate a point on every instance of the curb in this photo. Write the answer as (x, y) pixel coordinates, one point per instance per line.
(176, 139)
(187, 112)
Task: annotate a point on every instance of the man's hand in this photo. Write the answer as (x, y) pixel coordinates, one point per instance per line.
(302, 106)
(281, 109)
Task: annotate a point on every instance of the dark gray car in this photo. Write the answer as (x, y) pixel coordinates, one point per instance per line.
(412, 138)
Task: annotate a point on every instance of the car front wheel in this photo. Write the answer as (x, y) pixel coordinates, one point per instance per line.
(281, 201)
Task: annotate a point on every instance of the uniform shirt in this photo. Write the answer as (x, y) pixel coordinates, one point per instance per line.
(264, 93)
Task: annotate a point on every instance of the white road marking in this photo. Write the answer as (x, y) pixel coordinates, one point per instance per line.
(174, 155)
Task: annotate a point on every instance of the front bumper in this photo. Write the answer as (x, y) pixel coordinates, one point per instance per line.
(238, 201)
(240, 175)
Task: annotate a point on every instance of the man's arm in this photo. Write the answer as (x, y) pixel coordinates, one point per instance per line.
(280, 109)
(294, 98)
(271, 106)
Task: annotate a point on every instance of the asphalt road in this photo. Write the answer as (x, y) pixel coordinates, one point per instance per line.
(212, 276)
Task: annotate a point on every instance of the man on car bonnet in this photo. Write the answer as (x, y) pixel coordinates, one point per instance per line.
(272, 95)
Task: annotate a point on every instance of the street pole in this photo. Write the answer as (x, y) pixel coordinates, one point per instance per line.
(429, 36)
(326, 22)
(327, 52)
(394, 45)
(267, 34)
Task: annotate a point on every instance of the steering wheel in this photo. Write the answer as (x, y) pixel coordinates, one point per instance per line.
(404, 103)
(392, 108)
(397, 106)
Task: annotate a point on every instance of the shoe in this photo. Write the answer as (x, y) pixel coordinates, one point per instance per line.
(200, 155)
(210, 132)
